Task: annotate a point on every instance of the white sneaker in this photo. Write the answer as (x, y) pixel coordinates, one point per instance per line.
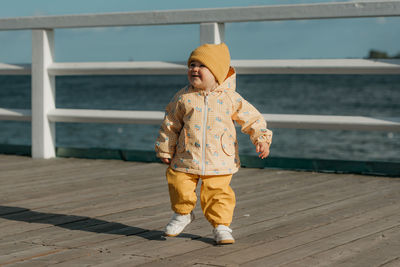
(223, 235)
(177, 223)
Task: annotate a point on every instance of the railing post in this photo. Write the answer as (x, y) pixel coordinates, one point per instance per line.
(43, 94)
(212, 33)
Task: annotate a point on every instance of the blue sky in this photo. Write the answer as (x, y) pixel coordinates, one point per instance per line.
(338, 38)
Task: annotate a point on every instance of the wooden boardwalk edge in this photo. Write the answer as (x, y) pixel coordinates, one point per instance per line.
(377, 168)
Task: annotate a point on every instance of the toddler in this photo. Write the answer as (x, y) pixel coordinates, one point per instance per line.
(197, 139)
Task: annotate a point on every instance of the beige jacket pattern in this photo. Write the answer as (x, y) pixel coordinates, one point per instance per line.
(198, 132)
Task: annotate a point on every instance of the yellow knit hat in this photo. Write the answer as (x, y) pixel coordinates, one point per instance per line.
(215, 57)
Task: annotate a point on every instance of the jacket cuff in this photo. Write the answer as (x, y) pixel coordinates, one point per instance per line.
(262, 139)
(164, 155)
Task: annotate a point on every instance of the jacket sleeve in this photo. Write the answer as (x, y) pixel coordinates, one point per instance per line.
(251, 120)
(170, 128)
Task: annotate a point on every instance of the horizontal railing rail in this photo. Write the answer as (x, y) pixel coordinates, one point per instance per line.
(297, 66)
(43, 69)
(212, 15)
(321, 122)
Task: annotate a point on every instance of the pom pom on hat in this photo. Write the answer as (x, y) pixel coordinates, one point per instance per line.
(215, 57)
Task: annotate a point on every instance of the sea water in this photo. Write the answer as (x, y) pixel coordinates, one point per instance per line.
(353, 95)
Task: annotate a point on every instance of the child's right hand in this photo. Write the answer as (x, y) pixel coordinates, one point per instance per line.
(166, 161)
(263, 150)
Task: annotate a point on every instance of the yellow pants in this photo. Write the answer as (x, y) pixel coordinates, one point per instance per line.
(216, 196)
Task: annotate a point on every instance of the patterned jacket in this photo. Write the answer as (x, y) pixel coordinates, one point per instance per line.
(198, 132)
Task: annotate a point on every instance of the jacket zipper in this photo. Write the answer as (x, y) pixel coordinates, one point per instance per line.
(203, 155)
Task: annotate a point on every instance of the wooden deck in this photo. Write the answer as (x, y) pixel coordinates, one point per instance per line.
(76, 212)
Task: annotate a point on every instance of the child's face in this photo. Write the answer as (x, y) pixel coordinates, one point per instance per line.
(201, 77)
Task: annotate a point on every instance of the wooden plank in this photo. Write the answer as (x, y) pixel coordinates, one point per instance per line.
(44, 219)
(70, 198)
(177, 246)
(58, 257)
(50, 178)
(92, 231)
(74, 177)
(219, 15)
(294, 220)
(323, 240)
(301, 227)
(285, 227)
(130, 248)
(37, 220)
(113, 212)
(103, 258)
(96, 239)
(87, 192)
(301, 195)
(91, 234)
(322, 214)
(285, 245)
(38, 168)
(32, 252)
(392, 263)
(373, 250)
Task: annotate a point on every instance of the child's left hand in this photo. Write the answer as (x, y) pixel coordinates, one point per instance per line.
(263, 150)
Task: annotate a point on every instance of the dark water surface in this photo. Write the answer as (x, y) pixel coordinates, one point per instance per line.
(355, 95)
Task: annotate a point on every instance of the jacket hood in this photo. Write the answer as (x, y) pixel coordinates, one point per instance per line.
(229, 83)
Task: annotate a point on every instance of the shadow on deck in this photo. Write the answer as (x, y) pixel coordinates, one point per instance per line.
(66, 212)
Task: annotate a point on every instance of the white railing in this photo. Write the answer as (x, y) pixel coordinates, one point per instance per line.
(43, 70)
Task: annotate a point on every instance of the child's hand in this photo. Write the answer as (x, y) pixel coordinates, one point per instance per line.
(263, 150)
(166, 161)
